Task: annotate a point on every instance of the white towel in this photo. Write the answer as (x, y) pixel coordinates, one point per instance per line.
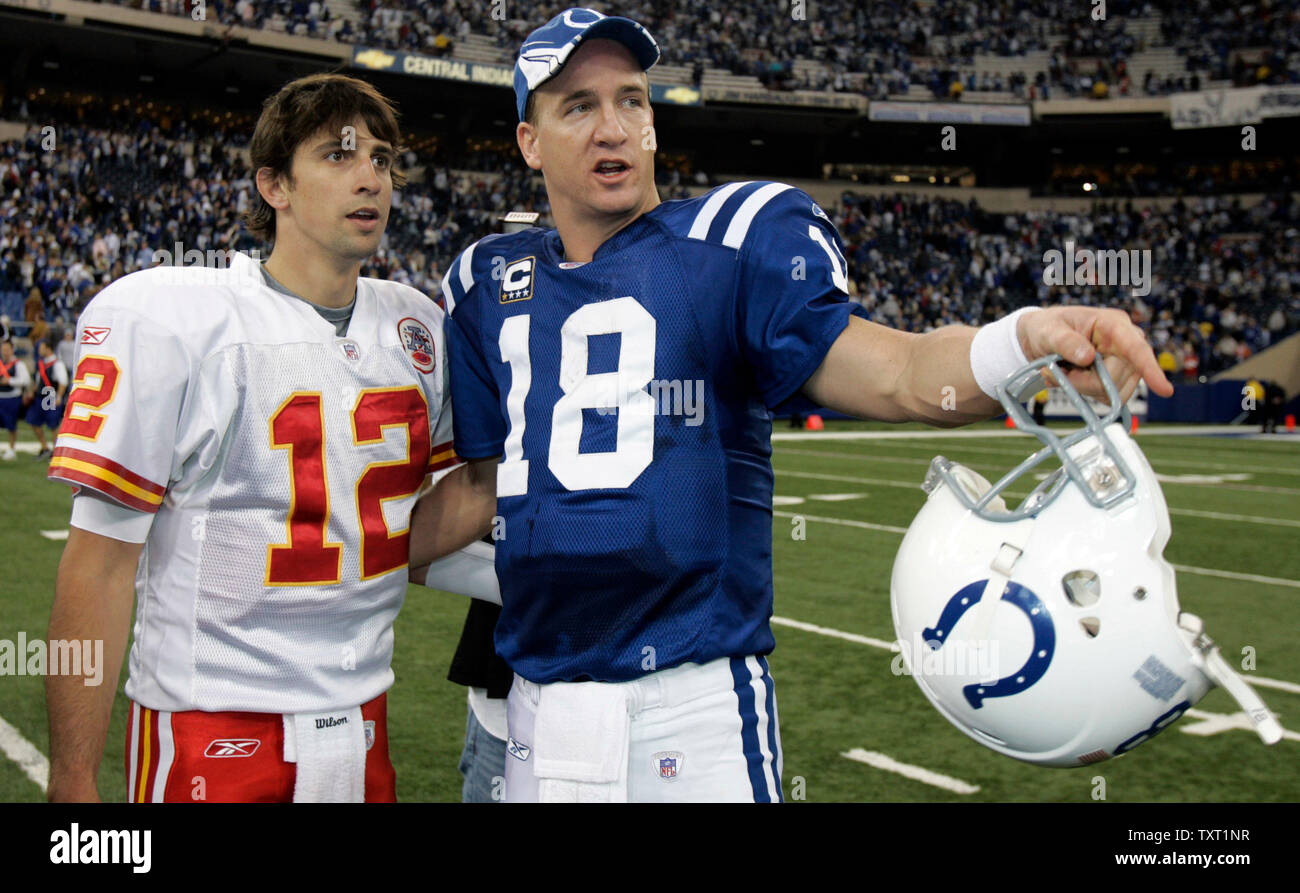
(580, 742)
(471, 571)
(330, 750)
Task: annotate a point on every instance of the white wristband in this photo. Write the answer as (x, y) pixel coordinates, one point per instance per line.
(996, 352)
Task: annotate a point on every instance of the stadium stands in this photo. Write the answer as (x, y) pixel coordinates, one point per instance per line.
(1227, 276)
(1008, 50)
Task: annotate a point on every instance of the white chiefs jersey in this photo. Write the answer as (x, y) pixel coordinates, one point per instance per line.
(281, 462)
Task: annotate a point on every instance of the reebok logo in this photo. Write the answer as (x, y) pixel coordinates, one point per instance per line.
(232, 747)
(517, 750)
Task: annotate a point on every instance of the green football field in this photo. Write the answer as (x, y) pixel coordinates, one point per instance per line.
(1235, 505)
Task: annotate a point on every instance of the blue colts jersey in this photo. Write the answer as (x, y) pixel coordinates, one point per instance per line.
(629, 399)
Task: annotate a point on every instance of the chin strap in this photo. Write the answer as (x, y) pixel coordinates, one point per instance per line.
(1224, 676)
(1000, 570)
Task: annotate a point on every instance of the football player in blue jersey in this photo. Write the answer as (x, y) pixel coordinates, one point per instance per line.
(623, 366)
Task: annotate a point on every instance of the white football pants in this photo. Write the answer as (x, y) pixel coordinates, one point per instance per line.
(696, 732)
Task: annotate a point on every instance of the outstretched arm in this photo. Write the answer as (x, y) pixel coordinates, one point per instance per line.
(875, 372)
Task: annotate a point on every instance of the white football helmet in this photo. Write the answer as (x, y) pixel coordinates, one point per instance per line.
(1051, 632)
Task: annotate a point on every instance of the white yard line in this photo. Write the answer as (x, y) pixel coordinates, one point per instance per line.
(846, 522)
(1279, 684)
(1261, 681)
(1244, 488)
(833, 633)
(778, 436)
(908, 460)
(1214, 723)
(1190, 512)
(907, 770)
(943, 434)
(878, 482)
(25, 754)
(1249, 488)
(914, 485)
(1185, 568)
(1233, 575)
(1247, 519)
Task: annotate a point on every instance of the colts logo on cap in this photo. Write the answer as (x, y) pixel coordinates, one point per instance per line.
(418, 343)
(517, 281)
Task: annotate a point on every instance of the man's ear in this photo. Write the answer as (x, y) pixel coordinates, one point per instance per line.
(271, 187)
(526, 136)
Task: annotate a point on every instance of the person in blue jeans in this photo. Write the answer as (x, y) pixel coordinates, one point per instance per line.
(487, 677)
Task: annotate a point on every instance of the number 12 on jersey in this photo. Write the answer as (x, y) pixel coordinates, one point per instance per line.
(298, 426)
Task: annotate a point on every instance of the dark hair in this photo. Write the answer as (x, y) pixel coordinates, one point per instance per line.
(299, 111)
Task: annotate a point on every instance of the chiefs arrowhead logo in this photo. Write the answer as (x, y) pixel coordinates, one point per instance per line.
(94, 334)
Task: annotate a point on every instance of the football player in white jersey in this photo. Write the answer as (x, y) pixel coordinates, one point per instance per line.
(247, 444)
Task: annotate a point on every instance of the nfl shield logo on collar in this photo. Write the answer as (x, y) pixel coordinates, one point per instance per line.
(668, 764)
(350, 350)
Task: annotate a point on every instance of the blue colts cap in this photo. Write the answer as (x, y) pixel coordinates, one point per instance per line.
(546, 50)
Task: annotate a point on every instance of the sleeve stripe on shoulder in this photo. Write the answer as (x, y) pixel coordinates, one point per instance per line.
(463, 270)
(448, 299)
(704, 219)
(443, 456)
(83, 468)
(467, 269)
(739, 226)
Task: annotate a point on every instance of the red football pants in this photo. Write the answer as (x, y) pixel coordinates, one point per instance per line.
(197, 756)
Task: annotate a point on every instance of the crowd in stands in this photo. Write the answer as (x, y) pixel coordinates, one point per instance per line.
(1215, 297)
(83, 203)
(876, 48)
(100, 201)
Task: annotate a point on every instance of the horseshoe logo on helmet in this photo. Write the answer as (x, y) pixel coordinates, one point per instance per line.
(1040, 655)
